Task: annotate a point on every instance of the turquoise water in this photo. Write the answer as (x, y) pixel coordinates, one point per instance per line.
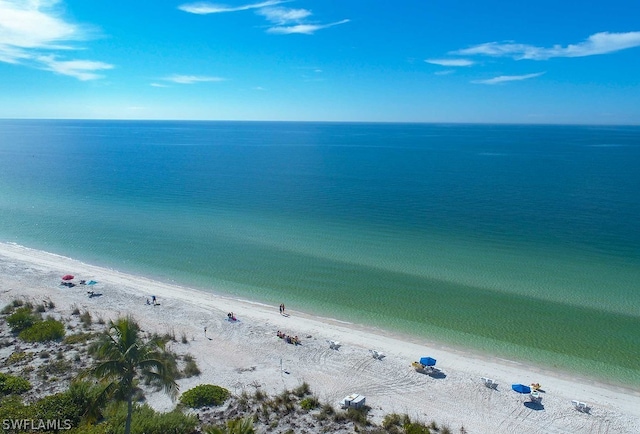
(521, 241)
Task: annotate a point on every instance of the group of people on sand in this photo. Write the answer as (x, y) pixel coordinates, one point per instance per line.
(289, 339)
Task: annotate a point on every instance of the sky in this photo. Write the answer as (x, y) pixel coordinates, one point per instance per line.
(559, 62)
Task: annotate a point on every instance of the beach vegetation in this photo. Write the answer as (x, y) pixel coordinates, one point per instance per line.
(12, 385)
(55, 368)
(416, 428)
(124, 357)
(85, 319)
(76, 310)
(309, 403)
(259, 395)
(235, 426)
(21, 319)
(302, 390)
(204, 395)
(43, 331)
(12, 407)
(191, 367)
(17, 357)
(355, 415)
(184, 338)
(41, 308)
(169, 336)
(146, 420)
(79, 338)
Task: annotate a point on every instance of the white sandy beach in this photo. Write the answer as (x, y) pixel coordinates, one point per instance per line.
(247, 353)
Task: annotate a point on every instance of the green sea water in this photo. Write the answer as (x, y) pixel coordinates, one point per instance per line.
(518, 241)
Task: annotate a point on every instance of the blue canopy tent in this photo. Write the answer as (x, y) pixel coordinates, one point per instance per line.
(428, 361)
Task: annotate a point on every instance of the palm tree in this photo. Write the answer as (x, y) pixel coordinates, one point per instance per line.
(124, 357)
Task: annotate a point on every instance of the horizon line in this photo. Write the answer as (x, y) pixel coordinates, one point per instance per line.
(328, 121)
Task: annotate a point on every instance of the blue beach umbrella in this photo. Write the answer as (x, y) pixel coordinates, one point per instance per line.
(521, 388)
(428, 361)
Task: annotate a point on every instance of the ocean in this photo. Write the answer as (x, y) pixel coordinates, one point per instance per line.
(518, 241)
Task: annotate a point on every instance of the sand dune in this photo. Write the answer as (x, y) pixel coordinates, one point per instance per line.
(245, 354)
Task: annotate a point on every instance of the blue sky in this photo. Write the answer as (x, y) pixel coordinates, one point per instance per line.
(326, 60)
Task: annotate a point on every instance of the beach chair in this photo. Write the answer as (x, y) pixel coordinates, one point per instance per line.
(535, 396)
(489, 382)
(334, 345)
(377, 354)
(580, 406)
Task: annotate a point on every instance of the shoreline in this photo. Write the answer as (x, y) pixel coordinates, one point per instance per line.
(389, 384)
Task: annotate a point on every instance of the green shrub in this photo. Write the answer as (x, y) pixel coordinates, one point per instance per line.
(235, 426)
(145, 420)
(21, 319)
(79, 338)
(416, 428)
(204, 395)
(42, 331)
(12, 385)
(394, 419)
(12, 408)
(17, 357)
(58, 406)
(309, 403)
(357, 415)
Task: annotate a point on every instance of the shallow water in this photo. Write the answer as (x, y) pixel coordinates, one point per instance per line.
(516, 240)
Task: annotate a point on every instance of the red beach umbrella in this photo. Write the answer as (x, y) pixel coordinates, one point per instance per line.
(67, 277)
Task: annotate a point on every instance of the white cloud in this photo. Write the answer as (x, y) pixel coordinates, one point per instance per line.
(445, 72)
(286, 20)
(80, 69)
(307, 29)
(158, 85)
(598, 43)
(450, 62)
(506, 78)
(32, 29)
(33, 24)
(204, 8)
(191, 79)
(280, 15)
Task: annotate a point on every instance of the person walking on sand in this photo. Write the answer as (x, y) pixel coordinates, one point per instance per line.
(281, 308)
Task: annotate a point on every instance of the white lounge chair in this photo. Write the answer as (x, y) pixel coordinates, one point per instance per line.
(489, 382)
(580, 406)
(334, 345)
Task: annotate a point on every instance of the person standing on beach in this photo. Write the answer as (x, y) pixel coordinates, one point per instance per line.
(282, 308)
